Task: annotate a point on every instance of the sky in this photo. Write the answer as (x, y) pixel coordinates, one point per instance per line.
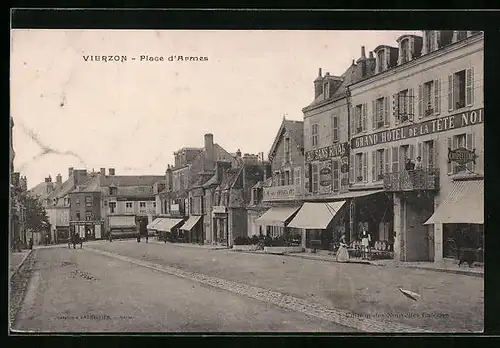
(132, 115)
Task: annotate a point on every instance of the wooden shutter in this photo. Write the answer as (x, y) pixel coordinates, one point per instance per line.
(411, 105)
(365, 166)
(352, 175)
(374, 165)
(437, 42)
(353, 120)
(364, 116)
(420, 102)
(395, 109)
(386, 112)
(470, 143)
(450, 93)
(435, 148)
(336, 175)
(449, 146)
(395, 159)
(335, 127)
(386, 160)
(469, 86)
(412, 152)
(437, 96)
(374, 114)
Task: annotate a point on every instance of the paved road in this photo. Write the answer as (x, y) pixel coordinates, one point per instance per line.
(84, 291)
(449, 302)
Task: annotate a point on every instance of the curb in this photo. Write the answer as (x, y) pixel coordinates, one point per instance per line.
(189, 246)
(21, 263)
(453, 271)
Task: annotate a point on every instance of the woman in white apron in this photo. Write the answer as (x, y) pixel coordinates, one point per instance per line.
(365, 243)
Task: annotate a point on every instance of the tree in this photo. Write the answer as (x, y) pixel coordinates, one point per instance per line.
(36, 216)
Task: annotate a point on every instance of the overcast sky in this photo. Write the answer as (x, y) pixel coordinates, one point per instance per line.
(133, 115)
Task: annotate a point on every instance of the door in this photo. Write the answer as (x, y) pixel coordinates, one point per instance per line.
(418, 210)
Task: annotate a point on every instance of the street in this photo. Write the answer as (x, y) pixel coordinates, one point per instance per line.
(129, 286)
(80, 291)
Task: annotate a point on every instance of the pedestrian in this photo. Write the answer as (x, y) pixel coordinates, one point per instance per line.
(31, 243)
(110, 236)
(147, 236)
(138, 237)
(365, 243)
(342, 252)
(418, 164)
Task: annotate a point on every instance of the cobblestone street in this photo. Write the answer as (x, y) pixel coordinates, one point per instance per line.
(449, 302)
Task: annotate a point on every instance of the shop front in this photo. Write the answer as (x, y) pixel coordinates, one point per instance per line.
(220, 225)
(275, 221)
(168, 229)
(459, 222)
(193, 228)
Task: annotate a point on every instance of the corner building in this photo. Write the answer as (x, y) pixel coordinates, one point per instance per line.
(424, 100)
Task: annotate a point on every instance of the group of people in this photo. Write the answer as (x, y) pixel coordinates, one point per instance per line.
(343, 252)
(410, 165)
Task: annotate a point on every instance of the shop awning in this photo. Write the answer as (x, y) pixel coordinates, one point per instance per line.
(152, 225)
(167, 224)
(356, 194)
(316, 215)
(277, 216)
(463, 205)
(190, 223)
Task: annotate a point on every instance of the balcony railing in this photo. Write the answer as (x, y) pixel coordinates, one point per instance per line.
(409, 180)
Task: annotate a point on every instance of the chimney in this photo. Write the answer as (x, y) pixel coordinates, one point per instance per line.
(168, 178)
(70, 172)
(362, 62)
(209, 152)
(111, 171)
(80, 176)
(238, 153)
(318, 85)
(59, 179)
(363, 55)
(371, 55)
(103, 171)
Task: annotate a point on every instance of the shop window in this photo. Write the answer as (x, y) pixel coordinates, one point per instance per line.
(315, 135)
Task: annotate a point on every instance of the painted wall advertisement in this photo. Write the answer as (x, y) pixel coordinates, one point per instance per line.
(325, 176)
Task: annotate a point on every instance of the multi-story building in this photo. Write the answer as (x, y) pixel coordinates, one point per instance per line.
(325, 214)
(58, 208)
(285, 192)
(85, 213)
(424, 101)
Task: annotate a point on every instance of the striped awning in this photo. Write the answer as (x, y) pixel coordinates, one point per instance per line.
(277, 216)
(167, 224)
(190, 223)
(151, 226)
(463, 205)
(316, 215)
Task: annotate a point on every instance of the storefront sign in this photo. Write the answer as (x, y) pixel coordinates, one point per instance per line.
(280, 193)
(437, 125)
(335, 150)
(461, 156)
(219, 209)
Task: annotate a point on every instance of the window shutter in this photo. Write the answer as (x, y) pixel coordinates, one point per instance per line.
(435, 148)
(351, 169)
(352, 121)
(470, 141)
(395, 159)
(335, 127)
(411, 104)
(365, 166)
(365, 117)
(450, 92)
(395, 109)
(386, 160)
(469, 86)
(437, 43)
(449, 147)
(374, 115)
(374, 165)
(420, 103)
(386, 112)
(412, 152)
(437, 96)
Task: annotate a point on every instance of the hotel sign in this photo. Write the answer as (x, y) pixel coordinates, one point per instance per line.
(280, 193)
(335, 150)
(461, 155)
(437, 125)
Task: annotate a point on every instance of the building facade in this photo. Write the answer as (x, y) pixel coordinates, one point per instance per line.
(423, 105)
(85, 214)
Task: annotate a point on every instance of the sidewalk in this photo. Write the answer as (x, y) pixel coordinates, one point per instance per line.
(189, 245)
(430, 266)
(16, 260)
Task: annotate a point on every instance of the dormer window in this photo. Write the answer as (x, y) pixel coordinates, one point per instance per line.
(381, 62)
(326, 90)
(405, 50)
(287, 152)
(430, 44)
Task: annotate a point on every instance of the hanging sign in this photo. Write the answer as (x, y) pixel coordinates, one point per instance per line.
(461, 156)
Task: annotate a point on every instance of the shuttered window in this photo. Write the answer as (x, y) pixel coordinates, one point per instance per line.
(336, 175)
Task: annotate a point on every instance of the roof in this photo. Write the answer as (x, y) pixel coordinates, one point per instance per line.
(211, 181)
(295, 129)
(129, 180)
(230, 176)
(266, 183)
(40, 191)
(202, 178)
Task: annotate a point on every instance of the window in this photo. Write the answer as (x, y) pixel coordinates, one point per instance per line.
(428, 100)
(405, 51)
(112, 207)
(336, 175)
(287, 179)
(360, 167)
(128, 204)
(112, 191)
(380, 164)
(142, 204)
(326, 90)
(315, 177)
(88, 201)
(88, 216)
(378, 116)
(315, 135)
(335, 128)
(358, 119)
(78, 216)
(287, 150)
(77, 201)
(404, 105)
(461, 89)
(428, 154)
(297, 176)
(154, 204)
(381, 60)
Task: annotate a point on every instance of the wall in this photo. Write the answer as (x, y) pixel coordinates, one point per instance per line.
(237, 223)
(81, 208)
(122, 220)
